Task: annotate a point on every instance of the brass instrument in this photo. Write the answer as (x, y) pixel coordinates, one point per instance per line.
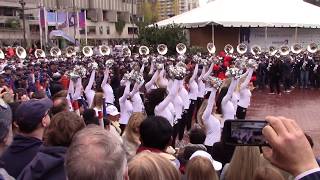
(87, 51)
(211, 48)
(126, 52)
(284, 50)
(21, 52)
(104, 50)
(39, 53)
(70, 51)
(242, 48)
(296, 48)
(181, 48)
(272, 50)
(312, 48)
(144, 50)
(1, 54)
(55, 52)
(228, 49)
(256, 50)
(162, 49)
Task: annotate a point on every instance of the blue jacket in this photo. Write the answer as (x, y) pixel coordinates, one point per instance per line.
(19, 154)
(313, 176)
(48, 164)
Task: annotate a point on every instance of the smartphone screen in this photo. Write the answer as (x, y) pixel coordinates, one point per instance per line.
(244, 133)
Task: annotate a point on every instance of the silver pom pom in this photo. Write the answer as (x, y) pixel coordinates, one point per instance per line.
(136, 77)
(126, 76)
(145, 60)
(93, 65)
(204, 62)
(214, 82)
(109, 63)
(159, 66)
(233, 72)
(252, 64)
(240, 63)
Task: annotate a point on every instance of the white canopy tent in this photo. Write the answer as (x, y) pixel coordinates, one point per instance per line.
(250, 13)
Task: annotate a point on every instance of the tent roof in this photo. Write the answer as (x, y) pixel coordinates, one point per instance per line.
(250, 13)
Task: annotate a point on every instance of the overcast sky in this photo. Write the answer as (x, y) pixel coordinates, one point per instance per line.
(202, 2)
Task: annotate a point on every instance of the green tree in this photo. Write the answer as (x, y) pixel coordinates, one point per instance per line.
(170, 35)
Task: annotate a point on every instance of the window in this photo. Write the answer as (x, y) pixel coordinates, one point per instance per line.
(91, 30)
(132, 30)
(34, 28)
(101, 29)
(108, 29)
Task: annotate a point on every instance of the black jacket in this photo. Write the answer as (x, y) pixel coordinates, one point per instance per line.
(19, 154)
(48, 164)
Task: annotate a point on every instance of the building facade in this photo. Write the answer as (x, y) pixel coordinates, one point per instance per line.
(170, 8)
(102, 19)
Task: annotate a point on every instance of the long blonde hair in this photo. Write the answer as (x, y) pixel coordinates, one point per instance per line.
(201, 111)
(147, 165)
(244, 162)
(97, 100)
(132, 129)
(200, 168)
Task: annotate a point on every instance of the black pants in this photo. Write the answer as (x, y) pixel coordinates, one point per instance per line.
(275, 83)
(286, 83)
(241, 112)
(209, 149)
(175, 133)
(190, 114)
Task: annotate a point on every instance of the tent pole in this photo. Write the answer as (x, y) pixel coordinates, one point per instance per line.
(212, 30)
(265, 37)
(239, 36)
(296, 35)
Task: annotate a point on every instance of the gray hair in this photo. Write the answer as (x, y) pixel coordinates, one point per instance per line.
(95, 154)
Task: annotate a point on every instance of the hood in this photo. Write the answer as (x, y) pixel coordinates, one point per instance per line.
(49, 159)
(21, 143)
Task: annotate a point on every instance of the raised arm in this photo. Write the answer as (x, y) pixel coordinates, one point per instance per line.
(71, 89)
(170, 97)
(211, 101)
(151, 68)
(248, 78)
(91, 80)
(136, 88)
(142, 69)
(105, 77)
(77, 92)
(126, 92)
(230, 90)
(152, 81)
(209, 71)
(195, 72)
(202, 73)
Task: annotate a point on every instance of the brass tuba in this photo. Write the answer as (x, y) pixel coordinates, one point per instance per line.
(228, 49)
(1, 54)
(284, 50)
(181, 48)
(162, 49)
(296, 48)
(70, 51)
(272, 50)
(104, 50)
(255, 50)
(211, 48)
(21, 52)
(55, 52)
(312, 48)
(144, 50)
(242, 48)
(39, 53)
(87, 51)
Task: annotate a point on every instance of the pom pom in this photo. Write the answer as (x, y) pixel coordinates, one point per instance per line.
(252, 64)
(109, 63)
(214, 82)
(233, 73)
(93, 65)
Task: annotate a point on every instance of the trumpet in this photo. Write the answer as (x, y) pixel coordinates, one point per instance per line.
(181, 48)
(104, 50)
(39, 53)
(126, 52)
(55, 52)
(228, 49)
(162, 49)
(70, 51)
(296, 48)
(284, 50)
(256, 50)
(144, 50)
(1, 54)
(312, 48)
(21, 52)
(87, 51)
(242, 48)
(211, 48)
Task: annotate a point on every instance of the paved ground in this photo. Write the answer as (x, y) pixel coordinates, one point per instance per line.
(303, 105)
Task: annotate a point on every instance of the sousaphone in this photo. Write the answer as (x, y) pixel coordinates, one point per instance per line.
(39, 53)
(21, 52)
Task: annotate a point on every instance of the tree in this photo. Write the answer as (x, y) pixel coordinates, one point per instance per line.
(170, 35)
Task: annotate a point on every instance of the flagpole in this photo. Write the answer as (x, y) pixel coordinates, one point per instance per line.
(40, 27)
(85, 26)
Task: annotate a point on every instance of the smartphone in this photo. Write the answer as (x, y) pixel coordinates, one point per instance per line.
(244, 132)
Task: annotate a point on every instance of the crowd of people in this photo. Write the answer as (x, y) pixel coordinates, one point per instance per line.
(144, 117)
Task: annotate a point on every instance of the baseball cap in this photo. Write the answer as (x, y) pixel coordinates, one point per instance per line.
(5, 119)
(217, 165)
(30, 113)
(112, 110)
